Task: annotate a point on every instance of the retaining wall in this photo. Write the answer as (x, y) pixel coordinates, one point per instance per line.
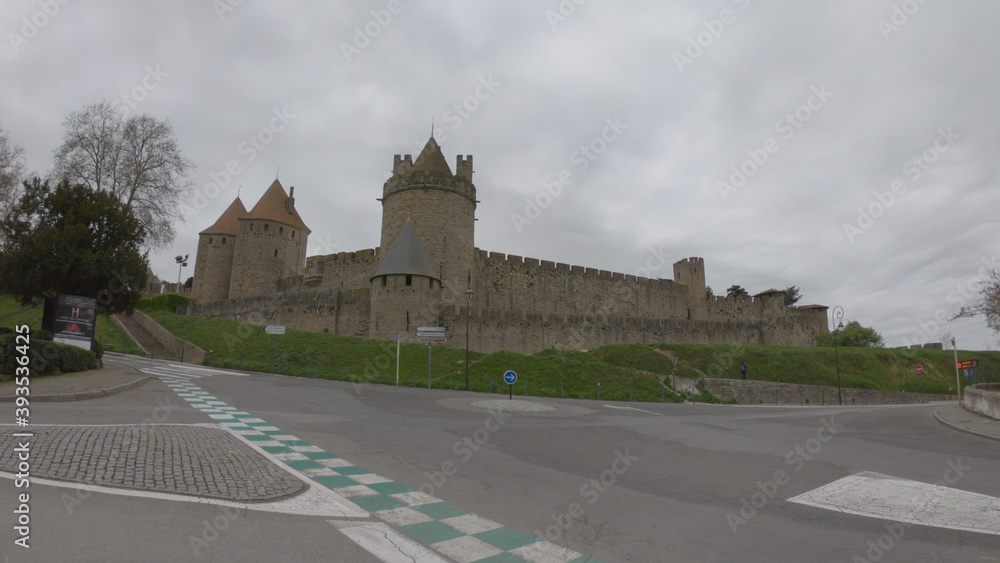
(748, 392)
(984, 399)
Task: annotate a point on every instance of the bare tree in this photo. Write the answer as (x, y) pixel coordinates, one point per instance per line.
(988, 304)
(136, 159)
(11, 173)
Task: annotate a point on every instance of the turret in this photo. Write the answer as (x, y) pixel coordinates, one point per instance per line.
(442, 206)
(270, 246)
(691, 272)
(405, 291)
(213, 265)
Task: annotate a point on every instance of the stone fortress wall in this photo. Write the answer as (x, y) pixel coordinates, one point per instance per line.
(518, 304)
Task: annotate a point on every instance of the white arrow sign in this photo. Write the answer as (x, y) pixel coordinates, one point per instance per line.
(430, 329)
(276, 330)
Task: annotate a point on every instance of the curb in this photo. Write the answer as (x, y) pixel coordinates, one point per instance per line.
(961, 428)
(66, 397)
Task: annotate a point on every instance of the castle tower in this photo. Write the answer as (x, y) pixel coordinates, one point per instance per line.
(442, 205)
(405, 290)
(213, 265)
(691, 272)
(270, 245)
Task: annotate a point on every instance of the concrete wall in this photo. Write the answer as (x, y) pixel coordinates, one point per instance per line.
(984, 399)
(180, 348)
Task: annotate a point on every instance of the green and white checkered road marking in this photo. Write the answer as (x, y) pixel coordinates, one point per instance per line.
(451, 531)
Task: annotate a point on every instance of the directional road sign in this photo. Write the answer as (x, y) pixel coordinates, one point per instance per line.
(510, 377)
(276, 330)
(430, 329)
(399, 337)
(429, 334)
(432, 340)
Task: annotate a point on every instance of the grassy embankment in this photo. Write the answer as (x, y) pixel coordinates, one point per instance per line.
(13, 314)
(623, 371)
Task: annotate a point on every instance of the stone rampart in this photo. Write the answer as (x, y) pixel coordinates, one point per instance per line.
(338, 312)
(513, 283)
(749, 392)
(341, 271)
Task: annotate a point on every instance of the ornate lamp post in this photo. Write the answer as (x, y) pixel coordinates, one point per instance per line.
(468, 305)
(838, 316)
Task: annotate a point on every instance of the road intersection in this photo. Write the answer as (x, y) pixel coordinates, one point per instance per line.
(410, 474)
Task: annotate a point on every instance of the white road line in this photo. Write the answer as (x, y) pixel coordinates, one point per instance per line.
(632, 409)
(901, 500)
(169, 373)
(203, 369)
(385, 543)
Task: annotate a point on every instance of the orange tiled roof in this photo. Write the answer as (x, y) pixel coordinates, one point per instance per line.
(272, 207)
(228, 222)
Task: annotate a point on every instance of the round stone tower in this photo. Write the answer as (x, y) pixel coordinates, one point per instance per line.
(405, 291)
(270, 245)
(442, 206)
(213, 265)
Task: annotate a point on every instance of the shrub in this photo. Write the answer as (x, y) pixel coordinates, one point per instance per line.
(41, 334)
(46, 358)
(98, 349)
(145, 304)
(169, 301)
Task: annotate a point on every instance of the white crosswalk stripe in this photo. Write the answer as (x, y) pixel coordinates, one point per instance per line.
(185, 371)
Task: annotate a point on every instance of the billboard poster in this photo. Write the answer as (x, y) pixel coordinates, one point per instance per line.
(74, 321)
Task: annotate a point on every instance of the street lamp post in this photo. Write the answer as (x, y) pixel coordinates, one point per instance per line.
(958, 385)
(838, 316)
(468, 305)
(181, 262)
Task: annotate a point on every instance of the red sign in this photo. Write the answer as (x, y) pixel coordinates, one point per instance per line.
(920, 369)
(968, 364)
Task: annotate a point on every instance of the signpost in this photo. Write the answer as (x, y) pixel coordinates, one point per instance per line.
(510, 378)
(275, 330)
(430, 335)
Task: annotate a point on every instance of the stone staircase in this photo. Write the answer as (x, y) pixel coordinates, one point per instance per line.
(153, 347)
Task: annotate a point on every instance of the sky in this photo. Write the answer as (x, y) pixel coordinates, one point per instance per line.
(846, 147)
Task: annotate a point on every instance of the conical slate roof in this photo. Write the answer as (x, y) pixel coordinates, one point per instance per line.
(272, 206)
(228, 222)
(406, 256)
(431, 159)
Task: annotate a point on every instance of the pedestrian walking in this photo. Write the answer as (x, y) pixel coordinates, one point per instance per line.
(743, 370)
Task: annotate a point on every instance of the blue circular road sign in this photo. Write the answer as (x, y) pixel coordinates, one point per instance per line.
(510, 377)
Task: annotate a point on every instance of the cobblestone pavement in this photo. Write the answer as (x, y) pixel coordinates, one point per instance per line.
(188, 460)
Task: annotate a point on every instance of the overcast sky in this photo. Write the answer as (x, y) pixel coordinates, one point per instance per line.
(648, 109)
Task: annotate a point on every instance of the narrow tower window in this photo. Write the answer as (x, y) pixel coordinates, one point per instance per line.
(223, 240)
(385, 280)
(275, 252)
(209, 240)
(409, 279)
(281, 230)
(266, 227)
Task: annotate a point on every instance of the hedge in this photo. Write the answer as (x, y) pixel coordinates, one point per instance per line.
(45, 358)
(164, 301)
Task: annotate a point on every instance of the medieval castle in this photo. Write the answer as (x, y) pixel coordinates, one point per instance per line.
(252, 266)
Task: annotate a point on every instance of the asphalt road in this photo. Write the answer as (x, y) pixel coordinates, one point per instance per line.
(614, 481)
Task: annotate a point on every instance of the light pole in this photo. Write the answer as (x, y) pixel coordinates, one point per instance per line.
(838, 316)
(468, 305)
(181, 262)
(958, 386)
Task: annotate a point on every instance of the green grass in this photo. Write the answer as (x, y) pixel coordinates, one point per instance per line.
(107, 332)
(624, 371)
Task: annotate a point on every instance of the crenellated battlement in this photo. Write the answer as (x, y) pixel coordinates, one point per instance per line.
(428, 180)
